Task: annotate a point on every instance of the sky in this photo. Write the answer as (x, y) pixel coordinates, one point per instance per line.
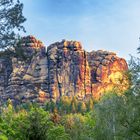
(112, 25)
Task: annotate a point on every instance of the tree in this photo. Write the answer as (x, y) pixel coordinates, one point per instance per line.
(138, 47)
(66, 103)
(131, 121)
(57, 133)
(80, 127)
(117, 117)
(55, 116)
(83, 107)
(13, 125)
(108, 112)
(134, 70)
(11, 20)
(39, 124)
(73, 108)
(90, 104)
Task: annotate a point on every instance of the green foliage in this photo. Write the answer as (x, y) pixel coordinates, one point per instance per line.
(90, 105)
(67, 105)
(38, 124)
(106, 113)
(19, 52)
(3, 137)
(117, 117)
(83, 107)
(57, 133)
(80, 127)
(113, 118)
(11, 20)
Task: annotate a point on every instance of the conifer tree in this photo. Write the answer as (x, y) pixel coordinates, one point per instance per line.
(11, 20)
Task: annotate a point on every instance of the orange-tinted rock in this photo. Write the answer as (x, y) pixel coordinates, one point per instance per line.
(69, 70)
(64, 69)
(109, 74)
(42, 96)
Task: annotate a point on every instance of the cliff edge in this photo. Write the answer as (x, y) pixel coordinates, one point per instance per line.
(65, 68)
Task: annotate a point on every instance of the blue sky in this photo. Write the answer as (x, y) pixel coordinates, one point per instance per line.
(112, 25)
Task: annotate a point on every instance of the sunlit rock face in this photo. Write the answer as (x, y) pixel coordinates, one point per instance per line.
(63, 69)
(69, 72)
(107, 72)
(28, 76)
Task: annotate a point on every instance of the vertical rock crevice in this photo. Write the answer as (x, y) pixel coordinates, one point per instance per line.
(65, 69)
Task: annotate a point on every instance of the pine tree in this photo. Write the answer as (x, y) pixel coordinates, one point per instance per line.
(11, 20)
(83, 107)
(73, 108)
(90, 105)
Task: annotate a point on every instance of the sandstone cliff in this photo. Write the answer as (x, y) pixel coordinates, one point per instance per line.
(37, 74)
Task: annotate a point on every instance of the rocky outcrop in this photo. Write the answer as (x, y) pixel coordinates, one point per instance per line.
(28, 78)
(107, 72)
(64, 69)
(69, 73)
(5, 71)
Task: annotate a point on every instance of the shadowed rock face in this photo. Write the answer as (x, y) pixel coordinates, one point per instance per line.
(64, 69)
(69, 72)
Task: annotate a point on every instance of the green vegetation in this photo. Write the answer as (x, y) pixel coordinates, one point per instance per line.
(67, 105)
(11, 20)
(114, 117)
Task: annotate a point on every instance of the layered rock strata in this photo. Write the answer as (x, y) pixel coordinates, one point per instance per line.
(64, 69)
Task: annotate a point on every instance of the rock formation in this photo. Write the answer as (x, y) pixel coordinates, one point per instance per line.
(64, 69)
